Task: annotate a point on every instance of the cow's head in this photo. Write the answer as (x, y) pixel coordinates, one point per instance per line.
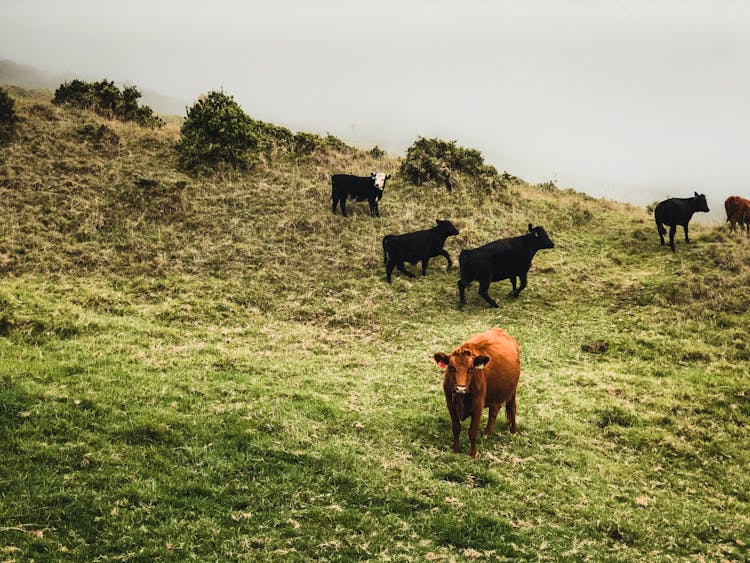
(699, 202)
(446, 227)
(540, 237)
(378, 179)
(460, 368)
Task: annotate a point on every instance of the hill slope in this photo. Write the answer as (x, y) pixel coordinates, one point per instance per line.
(214, 367)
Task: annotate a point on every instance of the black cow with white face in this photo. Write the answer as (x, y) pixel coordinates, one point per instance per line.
(360, 188)
(508, 258)
(678, 211)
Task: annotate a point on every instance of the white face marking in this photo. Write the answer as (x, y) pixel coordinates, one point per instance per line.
(380, 180)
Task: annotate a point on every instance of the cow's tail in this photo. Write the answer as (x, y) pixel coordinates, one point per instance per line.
(659, 226)
(386, 245)
(659, 219)
(462, 258)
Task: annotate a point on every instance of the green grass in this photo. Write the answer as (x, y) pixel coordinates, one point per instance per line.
(231, 378)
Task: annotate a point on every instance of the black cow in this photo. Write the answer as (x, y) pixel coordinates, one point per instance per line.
(677, 211)
(413, 247)
(361, 188)
(502, 259)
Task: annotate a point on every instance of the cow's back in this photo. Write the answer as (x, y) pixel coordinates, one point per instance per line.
(665, 210)
(498, 259)
(736, 207)
(504, 368)
(347, 178)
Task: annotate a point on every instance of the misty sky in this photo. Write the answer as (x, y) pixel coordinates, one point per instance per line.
(631, 100)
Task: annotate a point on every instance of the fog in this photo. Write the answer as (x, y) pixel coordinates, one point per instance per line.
(630, 100)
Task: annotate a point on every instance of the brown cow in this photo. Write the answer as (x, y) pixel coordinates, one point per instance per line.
(738, 211)
(481, 372)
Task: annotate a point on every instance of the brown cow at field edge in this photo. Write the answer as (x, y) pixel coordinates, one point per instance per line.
(738, 211)
(481, 372)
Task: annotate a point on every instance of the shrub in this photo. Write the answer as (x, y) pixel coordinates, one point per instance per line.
(306, 143)
(273, 138)
(106, 99)
(651, 207)
(377, 152)
(442, 162)
(217, 131)
(8, 118)
(337, 144)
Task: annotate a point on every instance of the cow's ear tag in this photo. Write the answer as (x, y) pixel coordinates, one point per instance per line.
(480, 362)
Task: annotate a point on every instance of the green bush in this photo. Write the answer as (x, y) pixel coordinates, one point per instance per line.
(308, 143)
(108, 100)
(442, 162)
(337, 144)
(273, 138)
(217, 131)
(376, 152)
(8, 118)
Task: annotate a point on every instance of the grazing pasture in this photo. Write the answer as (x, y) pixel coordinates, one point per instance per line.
(202, 368)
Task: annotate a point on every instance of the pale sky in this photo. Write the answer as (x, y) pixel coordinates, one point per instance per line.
(632, 100)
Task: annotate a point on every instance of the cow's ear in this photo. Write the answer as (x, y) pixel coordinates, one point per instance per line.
(387, 176)
(372, 175)
(531, 228)
(441, 360)
(696, 194)
(480, 362)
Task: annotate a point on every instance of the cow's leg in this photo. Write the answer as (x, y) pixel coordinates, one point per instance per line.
(494, 409)
(424, 266)
(389, 270)
(461, 287)
(685, 228)
(476, 418)
(672, 231)
(447, 257)
(513, 284)
(342, 205)
(374, 211)
(456, 432)
(334, 203)
(521, 277)
(510, 414)
(401, 268)
(484, 286)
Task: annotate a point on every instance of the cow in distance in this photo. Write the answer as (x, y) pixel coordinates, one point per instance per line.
(481, 372)
(738, 212)
(678, 211)
(415, 247)
(359, 188)
(508, 258)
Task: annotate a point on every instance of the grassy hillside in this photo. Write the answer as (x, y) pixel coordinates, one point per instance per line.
(214, 368)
